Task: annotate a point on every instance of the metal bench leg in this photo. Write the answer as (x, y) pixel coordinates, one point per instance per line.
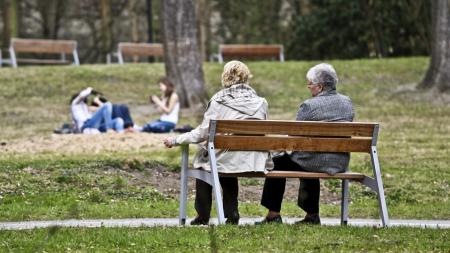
(344, 202)
(380, 189)
(216, 185)
(184, 181)
(12, 56)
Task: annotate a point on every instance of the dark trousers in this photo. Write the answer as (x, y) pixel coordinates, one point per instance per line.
(308, 192)
(203, 196)
(122, 111)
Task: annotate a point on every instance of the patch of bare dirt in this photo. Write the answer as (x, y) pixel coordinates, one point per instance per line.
(168, 183)
(84, 143)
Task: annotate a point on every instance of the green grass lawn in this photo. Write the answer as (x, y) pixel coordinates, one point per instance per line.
(271, 238)
(414, 150)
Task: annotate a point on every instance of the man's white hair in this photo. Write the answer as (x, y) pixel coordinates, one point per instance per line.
(324, 74)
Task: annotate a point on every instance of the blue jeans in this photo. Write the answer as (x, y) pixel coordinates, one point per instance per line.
(158, 126)
(103, 121)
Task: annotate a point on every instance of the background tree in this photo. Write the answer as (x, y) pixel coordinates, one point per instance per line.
(10, 18)
(438, 74)
(181, 50)
(360, 29)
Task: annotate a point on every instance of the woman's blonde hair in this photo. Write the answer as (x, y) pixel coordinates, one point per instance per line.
(235, 72)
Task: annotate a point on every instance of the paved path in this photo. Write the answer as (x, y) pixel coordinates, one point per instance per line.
(174, 222)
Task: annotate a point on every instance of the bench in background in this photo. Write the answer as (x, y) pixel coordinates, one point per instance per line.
(41, 46)
(128, 49)
(265, 135)
(243, 51)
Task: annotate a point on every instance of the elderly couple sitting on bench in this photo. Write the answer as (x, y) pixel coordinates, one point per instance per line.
(238, 100)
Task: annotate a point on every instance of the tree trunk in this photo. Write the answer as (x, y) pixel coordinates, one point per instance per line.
(5, 19)
(106, 21)
(438, 74)
(10, 18)
(51, 11)
(134, 25)
(204, 27)
(181, 51)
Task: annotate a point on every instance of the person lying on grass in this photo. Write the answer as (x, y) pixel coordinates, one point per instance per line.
(237, 100)
(99, 121)
(118, 111)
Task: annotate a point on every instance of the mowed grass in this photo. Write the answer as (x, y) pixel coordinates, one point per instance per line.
(271, 238)
(414, 146)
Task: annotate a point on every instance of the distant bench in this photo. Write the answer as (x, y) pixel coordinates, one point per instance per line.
(238, 51)
(265, 135)
(125, 49)
(62, 47)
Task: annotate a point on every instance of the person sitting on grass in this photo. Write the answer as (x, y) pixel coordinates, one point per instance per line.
(168, 105)
(99, 121)
(237, 100)
(325, 105)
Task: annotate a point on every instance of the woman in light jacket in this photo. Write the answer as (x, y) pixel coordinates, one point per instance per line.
(237, 100)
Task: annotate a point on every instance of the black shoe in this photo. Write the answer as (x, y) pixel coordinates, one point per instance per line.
(200, 221)
(267, 220)
(233, 219)
(313, 219)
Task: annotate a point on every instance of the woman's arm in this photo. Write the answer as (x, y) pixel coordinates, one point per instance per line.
(83, 94)
(172, 101)
(199, 133)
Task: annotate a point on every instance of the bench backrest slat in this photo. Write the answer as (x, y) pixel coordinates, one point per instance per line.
(250, 50)
(294, 135)
(141, 49)
(43, 46)
(292, 143)
(303, 128)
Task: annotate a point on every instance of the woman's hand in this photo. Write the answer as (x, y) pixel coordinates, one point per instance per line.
(98, 101)
(155, 99)
(170, 142)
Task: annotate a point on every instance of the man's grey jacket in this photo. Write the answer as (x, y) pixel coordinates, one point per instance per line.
(331, 107)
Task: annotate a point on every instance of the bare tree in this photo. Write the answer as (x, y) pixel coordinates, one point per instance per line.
(106, 23)
(181, 50)
(204, 11)
(438, 74)
(52, 12)
(10, 16)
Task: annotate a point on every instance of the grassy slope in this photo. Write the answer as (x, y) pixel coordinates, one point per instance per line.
(413, 146)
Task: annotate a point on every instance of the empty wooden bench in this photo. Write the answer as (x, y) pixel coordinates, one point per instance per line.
(41, 46)
(249, 51)
(265, 135)
(125, 49)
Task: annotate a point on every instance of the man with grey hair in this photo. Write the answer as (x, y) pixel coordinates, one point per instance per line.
(325, 105)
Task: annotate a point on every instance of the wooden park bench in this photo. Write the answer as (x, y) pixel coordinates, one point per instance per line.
(243, 51)
(138, 49)
(268, 135)
(41, 46)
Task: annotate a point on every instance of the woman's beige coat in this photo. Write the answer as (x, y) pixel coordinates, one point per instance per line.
(237, 102)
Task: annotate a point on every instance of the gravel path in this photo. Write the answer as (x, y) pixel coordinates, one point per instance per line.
(170, 222)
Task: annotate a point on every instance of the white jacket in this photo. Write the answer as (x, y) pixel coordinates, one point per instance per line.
(237, 102)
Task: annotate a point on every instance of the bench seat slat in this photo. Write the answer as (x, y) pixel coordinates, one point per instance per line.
(291, 143)
(297, 174)
(306, 128)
